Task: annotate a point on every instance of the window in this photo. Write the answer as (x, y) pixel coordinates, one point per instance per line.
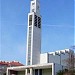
(28, 62)
(40, 72)
(30, 20)
(32, 10)
(35, 20)
(33, 3)
(29, 45)
(36, 71)
(39, 22)
(29, 37)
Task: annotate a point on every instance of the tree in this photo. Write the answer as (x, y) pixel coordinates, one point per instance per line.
(62, 72)
(71, 61)
(70, 64)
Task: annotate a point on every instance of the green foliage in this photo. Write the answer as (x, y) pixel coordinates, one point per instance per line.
(65, 72)
(60, 72)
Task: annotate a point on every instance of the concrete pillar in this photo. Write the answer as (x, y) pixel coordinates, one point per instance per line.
(8, 72)
(38, 71)
(31, 71)
(53, 69)
(26, 72)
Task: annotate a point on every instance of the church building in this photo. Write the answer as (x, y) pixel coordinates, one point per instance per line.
(36, 63)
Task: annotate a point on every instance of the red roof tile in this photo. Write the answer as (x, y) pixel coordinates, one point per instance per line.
(12, 63)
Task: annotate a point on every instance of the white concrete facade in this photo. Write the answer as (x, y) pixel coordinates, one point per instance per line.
(58, 57)
(47, 69)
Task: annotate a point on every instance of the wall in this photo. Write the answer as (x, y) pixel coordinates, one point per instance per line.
(64, 57)
(36, 46)
(59, 57)
(47, 72)
(56, 68)
(21, 73)
(3, 69)
(54, 58)
(43, 58)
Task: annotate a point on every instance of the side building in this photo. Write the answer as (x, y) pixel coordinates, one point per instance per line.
(4, 65)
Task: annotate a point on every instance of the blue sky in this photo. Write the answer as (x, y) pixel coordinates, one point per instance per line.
(57, 27)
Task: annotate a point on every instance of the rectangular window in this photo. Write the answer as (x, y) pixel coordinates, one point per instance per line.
(36, 71)
(32, 10)
(30, 20)
(35, 20)
(39, 22)
(40, 72)
(29, 45)
(33, 3)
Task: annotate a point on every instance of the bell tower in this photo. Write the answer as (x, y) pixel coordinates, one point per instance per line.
(34, 34)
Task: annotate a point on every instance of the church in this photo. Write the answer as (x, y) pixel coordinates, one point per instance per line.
(36, 63)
